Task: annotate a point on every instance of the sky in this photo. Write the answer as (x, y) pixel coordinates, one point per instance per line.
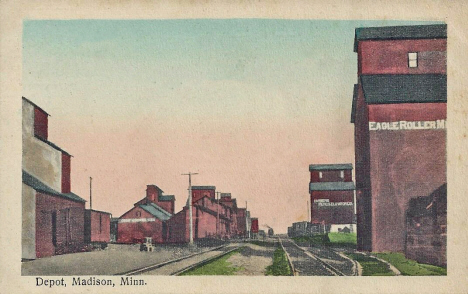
(246, 103)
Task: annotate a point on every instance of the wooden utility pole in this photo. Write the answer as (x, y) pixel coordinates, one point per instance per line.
(217, 216)
(189, 174)
(90, 193)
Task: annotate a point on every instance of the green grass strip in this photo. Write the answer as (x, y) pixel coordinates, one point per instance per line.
(262, 243)
(409, 267)
(371, 266)
(217, 267)
(343, 239)
(280, 266)
(330, 239)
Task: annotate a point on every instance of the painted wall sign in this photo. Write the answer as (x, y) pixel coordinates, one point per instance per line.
(408, 125)
(326, 202)
(137, 220)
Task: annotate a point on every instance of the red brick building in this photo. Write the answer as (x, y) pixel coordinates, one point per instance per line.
(52, 215)
(230, 202)
(254, 228)
(96, 226)
(147, 218)
(399, 113)
(332, 196)
(242, 222)
(212, 218)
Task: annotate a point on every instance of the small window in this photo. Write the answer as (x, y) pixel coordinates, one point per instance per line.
(342, 174)
(413, 59)
(320, 175)
(138, 213)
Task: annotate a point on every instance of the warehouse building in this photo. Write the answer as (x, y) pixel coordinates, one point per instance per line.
(227, 200)
(332, 197)
(399, 114)
(147, 218)
(211, 218)
(97, 227)
(52, 215)
(254, 228)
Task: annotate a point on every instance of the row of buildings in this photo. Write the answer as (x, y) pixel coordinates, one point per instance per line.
(55, 220)
(212, 218)
(399, 113)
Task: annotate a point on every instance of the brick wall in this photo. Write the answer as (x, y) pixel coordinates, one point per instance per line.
(135, 232)
(97, 226)
(59, 223)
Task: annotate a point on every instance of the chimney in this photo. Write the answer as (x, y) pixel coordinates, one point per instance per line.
(152, 193)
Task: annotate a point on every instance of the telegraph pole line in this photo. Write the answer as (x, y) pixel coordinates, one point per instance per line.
(90, 193)
(217, 215)
(247, 229)
(189, 174)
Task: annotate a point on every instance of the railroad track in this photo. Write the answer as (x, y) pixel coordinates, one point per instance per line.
(311, 268)
(203, 262)
(173, 262)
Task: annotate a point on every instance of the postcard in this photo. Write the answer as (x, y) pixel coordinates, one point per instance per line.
(243, 151)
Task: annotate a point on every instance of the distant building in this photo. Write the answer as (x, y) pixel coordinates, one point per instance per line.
(147, 218)
(211, 218)
(230, 202)
(242, 222)
(97, 226)
(399, 112)
(52, 215)
(254, 228)
(332, 196)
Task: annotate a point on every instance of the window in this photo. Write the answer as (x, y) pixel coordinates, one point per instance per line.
(138, 213)
(54, 228)
(342, 174)
(320, 175)
(413, 59)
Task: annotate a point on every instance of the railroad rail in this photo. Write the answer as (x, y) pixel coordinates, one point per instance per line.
(158, 265)
(328, 267)
(203, 262)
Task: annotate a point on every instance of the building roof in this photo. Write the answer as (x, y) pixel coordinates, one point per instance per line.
(152, 185)
(383, 89)
(214, 213)
(156, 211)
(203, 188)
(339, 166)
(35, 105)
(332, 186)
(53, 145)
(99, 211)
(39, 186)
(225, 194)
(166, 197)
(438, 31)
